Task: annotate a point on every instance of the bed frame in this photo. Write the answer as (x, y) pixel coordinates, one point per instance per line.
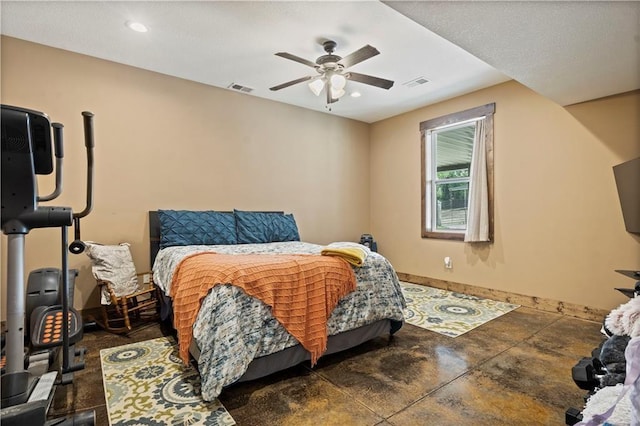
(285, 358)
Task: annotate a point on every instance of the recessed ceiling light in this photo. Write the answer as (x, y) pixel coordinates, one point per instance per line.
(136, 26)
(355, 94)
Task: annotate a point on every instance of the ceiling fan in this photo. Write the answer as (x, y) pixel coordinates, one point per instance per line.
(332, 71)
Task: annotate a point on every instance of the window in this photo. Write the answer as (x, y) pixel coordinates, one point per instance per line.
(457, 175)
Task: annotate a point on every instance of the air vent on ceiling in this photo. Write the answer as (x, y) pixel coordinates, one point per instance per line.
(240, 88)
(415, 82)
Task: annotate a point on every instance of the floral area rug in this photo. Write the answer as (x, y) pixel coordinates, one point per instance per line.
(449, 313)
(146, 384)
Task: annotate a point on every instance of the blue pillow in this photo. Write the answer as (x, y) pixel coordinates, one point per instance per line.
(284, 228)
(264, 227)
(186, 227)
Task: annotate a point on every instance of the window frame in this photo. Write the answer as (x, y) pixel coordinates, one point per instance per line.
(484, 112)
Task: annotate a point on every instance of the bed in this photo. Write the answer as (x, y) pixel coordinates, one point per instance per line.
(235, 336)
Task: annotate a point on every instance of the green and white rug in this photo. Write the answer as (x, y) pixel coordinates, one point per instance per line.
(447, 312)
(146, 384)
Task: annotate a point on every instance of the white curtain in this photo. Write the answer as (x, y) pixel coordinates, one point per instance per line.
(478, 214)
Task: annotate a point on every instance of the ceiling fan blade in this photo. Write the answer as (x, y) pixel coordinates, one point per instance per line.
(297, 59)
(290, 83)
(358, 56)
(370, 80)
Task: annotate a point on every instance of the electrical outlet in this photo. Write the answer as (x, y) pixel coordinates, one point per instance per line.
(447, 263)
(146, 278)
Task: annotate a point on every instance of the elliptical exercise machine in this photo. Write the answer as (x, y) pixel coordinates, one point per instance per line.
(26, 152)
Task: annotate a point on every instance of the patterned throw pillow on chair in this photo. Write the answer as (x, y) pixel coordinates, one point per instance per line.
(113, 263)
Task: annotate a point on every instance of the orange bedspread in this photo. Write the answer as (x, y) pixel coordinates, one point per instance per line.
(301, 290)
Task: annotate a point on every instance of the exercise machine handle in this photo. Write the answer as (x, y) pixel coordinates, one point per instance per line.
(88, 129)
(57, 145)
(57, 139)
(77, 246)
(89, 143)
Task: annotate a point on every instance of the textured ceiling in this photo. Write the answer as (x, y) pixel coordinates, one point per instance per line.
(568, 52)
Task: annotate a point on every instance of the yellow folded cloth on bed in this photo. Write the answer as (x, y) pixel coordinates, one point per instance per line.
(353, 255)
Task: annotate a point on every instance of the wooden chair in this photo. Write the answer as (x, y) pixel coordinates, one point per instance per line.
(140, 306)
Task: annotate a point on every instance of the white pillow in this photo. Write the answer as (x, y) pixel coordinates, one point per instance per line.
(113, 263)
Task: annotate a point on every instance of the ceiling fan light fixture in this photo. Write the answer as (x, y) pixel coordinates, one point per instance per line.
(316, 86)
(337, 93)
(338, 81)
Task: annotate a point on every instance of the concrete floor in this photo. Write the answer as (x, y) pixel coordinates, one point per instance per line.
(515, 370)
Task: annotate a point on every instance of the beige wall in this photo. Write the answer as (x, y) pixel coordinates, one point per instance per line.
(559, 232)
(163, 142)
